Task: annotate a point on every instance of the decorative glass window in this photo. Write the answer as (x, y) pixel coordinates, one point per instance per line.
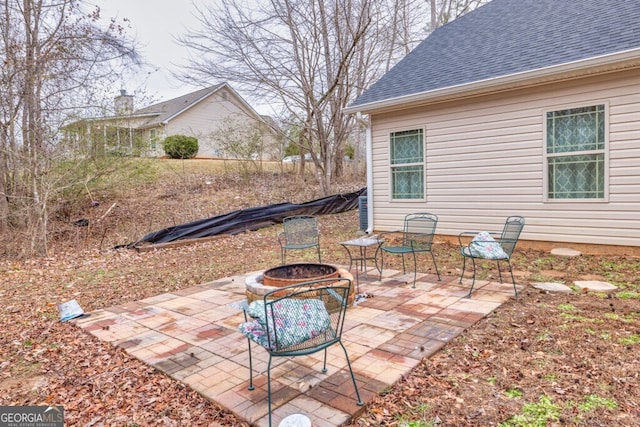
(576, 153)
(407, 164)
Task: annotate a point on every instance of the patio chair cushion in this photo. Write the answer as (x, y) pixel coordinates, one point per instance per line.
(484, 245)
(290, 322)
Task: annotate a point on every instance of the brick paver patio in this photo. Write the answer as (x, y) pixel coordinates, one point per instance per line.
(192, 335)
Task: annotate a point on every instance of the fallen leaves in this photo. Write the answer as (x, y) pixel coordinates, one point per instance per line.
(526, 345)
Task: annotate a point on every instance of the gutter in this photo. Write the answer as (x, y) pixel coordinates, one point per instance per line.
(625, 59)
(369, 163)
(125, 116)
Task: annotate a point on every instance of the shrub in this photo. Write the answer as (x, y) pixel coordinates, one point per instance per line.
(180, 146)
(349, 151)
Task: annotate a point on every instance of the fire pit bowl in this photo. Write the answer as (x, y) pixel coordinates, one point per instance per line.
(257, 285)
(291, 274)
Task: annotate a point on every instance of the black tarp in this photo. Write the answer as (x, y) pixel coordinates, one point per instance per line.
(252, 219)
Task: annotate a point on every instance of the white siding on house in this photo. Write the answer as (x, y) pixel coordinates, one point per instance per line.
(485, 161)
(205, 117)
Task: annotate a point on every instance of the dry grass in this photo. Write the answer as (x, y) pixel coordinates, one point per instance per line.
(575, 356)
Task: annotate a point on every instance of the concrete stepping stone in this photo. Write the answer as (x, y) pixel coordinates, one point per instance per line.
(566, 252)
(552, 287)
(295, 420)
(595, 285)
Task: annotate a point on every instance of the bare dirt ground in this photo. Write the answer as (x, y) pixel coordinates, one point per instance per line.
(543, 359)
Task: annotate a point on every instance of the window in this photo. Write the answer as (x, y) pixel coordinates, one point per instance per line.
(576, 153)
(407, 164)
(153, 139)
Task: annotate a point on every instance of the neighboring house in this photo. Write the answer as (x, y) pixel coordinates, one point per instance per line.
(520, 107)
(199, 114)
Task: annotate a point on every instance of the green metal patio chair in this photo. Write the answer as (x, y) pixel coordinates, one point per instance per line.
(485, 245)
(298, 320)
(300, 232)
(416, 236)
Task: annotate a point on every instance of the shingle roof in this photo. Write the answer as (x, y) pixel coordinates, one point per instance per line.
(167, 109)
(504, 37)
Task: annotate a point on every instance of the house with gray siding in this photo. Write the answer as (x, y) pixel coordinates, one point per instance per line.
(520, 107)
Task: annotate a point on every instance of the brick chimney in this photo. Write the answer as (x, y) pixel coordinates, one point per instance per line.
(123, 103)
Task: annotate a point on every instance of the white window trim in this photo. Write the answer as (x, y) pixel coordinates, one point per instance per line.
(423, 163)
(545, 156)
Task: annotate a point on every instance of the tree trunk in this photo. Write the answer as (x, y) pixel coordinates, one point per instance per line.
(4, 203)
(53, 55)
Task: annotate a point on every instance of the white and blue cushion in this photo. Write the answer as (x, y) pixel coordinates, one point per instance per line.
(289, 322)
(484, 245)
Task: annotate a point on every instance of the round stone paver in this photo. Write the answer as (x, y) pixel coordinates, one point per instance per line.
(295, 420)
(552, 287)
(565, 252)
(595, 285)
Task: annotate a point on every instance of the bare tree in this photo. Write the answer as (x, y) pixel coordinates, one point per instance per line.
(242, 140)
(310, 59)
(443, 11)
(56, 58)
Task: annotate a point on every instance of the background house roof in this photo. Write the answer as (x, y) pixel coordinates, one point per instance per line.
(506, 37)
(166, 110)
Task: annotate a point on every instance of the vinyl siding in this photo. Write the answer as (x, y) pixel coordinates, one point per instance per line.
(204, 118)
(485, 161)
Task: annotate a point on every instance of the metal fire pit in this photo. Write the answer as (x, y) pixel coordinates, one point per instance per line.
(291, 274)
(257, 285)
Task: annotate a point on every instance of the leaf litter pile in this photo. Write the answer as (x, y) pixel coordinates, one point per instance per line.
(544, 359)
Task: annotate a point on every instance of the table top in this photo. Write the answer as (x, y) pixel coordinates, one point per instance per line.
(363, 241)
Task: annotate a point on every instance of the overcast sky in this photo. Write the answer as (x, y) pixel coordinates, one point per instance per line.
(155, 24)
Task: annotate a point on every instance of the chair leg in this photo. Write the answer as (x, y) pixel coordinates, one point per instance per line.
(319, 258)
(381, 264)
(499, 271)
(324, 365)
(269, 387)
(415, 268)
(464, 264)
(436, 266)
(375, 259)
(283, 254)
(513, 280)
(251, 387)
(353, 378)
(404, 270)
(473, 281)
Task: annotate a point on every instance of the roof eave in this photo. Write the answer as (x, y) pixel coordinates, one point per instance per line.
(194, 103)
(122, 117)
(595, 65)
(202, 98)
